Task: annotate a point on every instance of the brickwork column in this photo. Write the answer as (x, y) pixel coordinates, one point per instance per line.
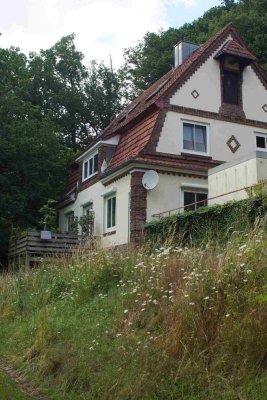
(138, 207)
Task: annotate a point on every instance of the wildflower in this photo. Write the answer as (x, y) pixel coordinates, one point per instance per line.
(206, 298)
(249, 271)
(227, 315)
(186, 295)
(191, 303)
(125, 311)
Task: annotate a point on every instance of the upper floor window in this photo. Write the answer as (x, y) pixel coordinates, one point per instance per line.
(231, 81)
(90, 166)
(230, 87)
(261, 142)
(70, 222)
(195, 138)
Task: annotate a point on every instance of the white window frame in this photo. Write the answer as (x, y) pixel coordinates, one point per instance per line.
(264, 135)
(87, 160)
(87, 207)
(207, 126)
(192, 189)
(67, 215)
(106, 198)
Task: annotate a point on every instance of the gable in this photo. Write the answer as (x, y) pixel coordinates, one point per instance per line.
(254, 96)
(202, 91)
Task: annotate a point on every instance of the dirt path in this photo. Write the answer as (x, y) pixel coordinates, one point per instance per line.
(20, 381)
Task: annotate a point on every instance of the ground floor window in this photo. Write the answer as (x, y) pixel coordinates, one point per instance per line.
(87, 220)
(110, 212)
(70, 222)
(261, 142)
(87, 209)
(194, 200)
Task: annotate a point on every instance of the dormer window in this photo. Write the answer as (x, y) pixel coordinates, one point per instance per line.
(90, 166)
(232, 81)
(233, 58)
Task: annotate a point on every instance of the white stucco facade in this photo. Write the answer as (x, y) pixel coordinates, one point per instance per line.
(168, 195)
(207, 82)
(241, 173)
(96, 194)
(254, 96)
(219, 132)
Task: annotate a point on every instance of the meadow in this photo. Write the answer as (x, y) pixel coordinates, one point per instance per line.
(153, 323)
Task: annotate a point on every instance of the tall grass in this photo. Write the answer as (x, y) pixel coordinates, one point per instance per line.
(171, 323)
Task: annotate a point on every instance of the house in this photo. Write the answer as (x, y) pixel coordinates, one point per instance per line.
(209, 109)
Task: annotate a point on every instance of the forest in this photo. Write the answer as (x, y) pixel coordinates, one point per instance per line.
(52, 105)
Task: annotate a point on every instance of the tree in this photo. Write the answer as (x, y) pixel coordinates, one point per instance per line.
(152, 57)
(81, 101)
(57, 87)
(103, 93)
(33, 161)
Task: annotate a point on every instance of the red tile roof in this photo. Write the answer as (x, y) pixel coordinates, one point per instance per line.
(133, 141)
(232, 47)
(174, 76)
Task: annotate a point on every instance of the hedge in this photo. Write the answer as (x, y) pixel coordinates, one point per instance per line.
(212, 222)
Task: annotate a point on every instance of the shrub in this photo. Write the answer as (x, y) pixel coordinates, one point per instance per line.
(213, 222)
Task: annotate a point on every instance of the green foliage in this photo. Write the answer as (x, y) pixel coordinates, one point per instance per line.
(213, 222)
(152, 57)
(9, 389)
(142, 324)
(86, 223)
(50, 105)
(81, 101)
(33, 160)
(48, 214)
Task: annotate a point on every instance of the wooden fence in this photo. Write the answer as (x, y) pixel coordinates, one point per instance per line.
(29, 247)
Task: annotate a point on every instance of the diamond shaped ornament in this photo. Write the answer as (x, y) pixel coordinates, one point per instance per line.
(233, 144)
(195, 94)
(264, 107)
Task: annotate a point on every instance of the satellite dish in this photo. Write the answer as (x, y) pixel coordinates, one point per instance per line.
(150, 180)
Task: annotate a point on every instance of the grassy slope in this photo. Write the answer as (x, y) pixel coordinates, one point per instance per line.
(179, 323)
(8, 390)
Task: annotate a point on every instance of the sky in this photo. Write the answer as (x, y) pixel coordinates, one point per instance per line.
(103, 28)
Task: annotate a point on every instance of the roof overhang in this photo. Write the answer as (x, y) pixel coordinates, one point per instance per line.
(112, 142)
(233, 49)
(138, 164)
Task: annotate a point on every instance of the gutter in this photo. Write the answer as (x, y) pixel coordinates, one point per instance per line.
(131, 164)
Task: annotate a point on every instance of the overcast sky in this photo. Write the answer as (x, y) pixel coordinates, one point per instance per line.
(102, 27)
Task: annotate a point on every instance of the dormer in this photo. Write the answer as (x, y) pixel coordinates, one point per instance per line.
(92, 160)
(233, 58)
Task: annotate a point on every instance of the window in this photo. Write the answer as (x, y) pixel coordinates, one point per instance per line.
(87, 221)
(87, 209)
(194, 138)
(70, 222)
(231, 87)
(110, 213)
(90, 167)
(261, 142)
(194, 200)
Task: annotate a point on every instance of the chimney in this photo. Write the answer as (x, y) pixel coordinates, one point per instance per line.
(182, 51)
